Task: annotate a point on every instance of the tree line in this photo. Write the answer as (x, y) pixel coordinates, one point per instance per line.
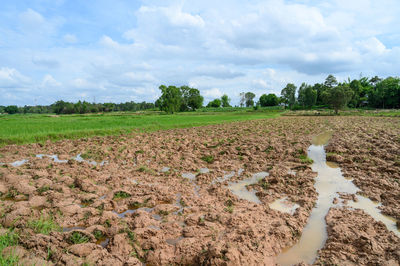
(81, 107)
(363, 92)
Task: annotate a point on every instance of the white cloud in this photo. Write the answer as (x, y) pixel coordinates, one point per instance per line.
(11, 78)
(70, 38)
(50, 82)
(31, 19)
(212, 93)
(225, 46)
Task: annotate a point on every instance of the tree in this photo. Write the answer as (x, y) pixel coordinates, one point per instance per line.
(289, 94)
(249, 96)
(338, 96)
(215, 103)
(330, 81)
(170, 100)
(11, 109)
(387, 93)
(191, 99)
(225, 101)
(269, 100)
(242, 99)
(307, 95)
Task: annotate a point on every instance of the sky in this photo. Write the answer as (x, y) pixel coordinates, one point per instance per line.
(118, 51)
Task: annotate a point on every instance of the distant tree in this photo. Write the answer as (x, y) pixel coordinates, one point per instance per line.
(191, 99)
(11, 109)
(215, 103)
(307, 95)
(330, 81)
(269, 100)
(289, 94)
(242, 99)
(225, 101)
(249, 98)
(170, 100)
(338, 96)
(387, 93)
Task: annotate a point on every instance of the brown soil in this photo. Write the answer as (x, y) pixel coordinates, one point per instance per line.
(146, 215)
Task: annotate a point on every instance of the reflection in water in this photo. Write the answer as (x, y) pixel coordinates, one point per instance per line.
(189, 176)
(240, 188)
(54, 157)
(18, 163)
(328, 183)
(204, 170)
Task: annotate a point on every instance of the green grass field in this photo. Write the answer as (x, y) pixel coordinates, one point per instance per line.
(21, 129)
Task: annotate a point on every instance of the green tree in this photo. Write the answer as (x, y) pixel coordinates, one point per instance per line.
(307, 95)
(338, 96)
(387, 93)
(242, 99)
(330, 81)
(269, 100)
(225, 101)
(170, 100)
(215, 103)
(289, 94)
(11, 109)
(249, 99)
(191, 99)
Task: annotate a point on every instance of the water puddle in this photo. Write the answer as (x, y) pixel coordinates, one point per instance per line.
(240, 188)
(284, 205)
(19, 163)
(332, 164)
(103, 242)
(54, 157)
(328, 184)
(204, 170)
(165, 169)
(69, 229)
(371, 208)
(189, 176)
(224, 178)
(79, 158)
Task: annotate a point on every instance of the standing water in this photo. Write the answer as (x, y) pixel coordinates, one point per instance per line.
(328, 183)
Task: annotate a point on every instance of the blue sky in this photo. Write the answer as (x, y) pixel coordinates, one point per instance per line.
(123, 50)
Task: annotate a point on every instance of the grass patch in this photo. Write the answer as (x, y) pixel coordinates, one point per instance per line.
(208, 158)
(78, 238)
(33, 128)
(44, 225)
(305, 159)
(98, 234)
(7, 240)
(121, 195)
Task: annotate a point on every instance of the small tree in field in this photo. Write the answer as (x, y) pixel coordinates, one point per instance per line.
(170, 100)
(269, 100)
(225, 101)
(338, 96)
(289, 94)
(249, 96)
(215, 103)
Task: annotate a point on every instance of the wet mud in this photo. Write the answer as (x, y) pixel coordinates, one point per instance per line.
(132, 201)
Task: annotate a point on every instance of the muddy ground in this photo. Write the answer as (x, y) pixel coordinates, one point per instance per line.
(137, 208)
